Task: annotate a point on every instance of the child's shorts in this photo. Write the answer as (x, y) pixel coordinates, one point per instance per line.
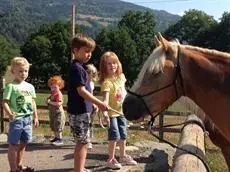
(20, 131)
(57, 119)
(79, 124)
(118, 128)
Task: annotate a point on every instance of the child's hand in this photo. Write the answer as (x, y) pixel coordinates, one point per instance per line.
(36, 122)
(106, 118)
(47, 101)
(103, 106)
(11, 116)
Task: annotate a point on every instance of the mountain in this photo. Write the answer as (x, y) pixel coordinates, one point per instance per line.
(19, 18)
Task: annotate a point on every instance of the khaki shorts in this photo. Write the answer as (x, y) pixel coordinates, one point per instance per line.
(57, 118)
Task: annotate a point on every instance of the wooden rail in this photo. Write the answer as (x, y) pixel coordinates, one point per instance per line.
(192, 139)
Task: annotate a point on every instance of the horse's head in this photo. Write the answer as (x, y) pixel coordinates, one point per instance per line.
(157, 84)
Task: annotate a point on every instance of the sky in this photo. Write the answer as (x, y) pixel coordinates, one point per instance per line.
(213, 8)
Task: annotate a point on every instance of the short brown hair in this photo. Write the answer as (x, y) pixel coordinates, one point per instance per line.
(56, 80)
(82, 40)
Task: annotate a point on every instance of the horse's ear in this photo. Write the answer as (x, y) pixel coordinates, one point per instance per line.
(156, 41)
(163, 41)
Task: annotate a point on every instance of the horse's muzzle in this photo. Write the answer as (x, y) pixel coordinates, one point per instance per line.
(133, 108)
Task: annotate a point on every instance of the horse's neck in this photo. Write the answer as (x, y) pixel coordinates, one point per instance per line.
(207, 71)
(207, 83)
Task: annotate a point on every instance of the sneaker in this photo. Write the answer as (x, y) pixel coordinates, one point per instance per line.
(127, 160)
(58, 142)
(53, 139)
(113, 164)
(90, 145)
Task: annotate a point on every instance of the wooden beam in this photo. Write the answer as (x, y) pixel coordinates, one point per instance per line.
(192, 139)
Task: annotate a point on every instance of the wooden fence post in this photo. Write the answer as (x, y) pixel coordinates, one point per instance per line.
(192, 139)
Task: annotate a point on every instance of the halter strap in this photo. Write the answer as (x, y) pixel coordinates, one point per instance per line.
(174, 83)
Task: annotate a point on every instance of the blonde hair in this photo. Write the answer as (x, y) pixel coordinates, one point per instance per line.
(92, 72)
(81, 40)
(103, 66)
(18, 61)
(56, 80)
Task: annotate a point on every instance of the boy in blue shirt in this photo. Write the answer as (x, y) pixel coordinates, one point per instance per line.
(80, 99)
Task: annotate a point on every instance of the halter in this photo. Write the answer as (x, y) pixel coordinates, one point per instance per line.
(174, 83)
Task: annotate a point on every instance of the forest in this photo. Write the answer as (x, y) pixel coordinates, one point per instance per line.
(48, 47)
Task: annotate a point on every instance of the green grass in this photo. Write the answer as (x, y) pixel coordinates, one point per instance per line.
(42, 97)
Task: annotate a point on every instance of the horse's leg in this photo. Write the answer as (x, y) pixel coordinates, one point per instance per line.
(218, 140)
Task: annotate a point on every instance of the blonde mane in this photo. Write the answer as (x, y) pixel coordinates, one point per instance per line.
(154, 63)
(207, 51)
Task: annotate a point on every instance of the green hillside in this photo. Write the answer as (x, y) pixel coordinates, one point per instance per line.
(19, 18)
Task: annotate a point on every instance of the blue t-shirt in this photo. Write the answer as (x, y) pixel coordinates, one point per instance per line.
(78, 77)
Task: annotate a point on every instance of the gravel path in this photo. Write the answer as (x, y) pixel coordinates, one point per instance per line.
(151, 156)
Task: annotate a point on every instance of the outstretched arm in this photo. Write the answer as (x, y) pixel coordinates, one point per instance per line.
(83, 92)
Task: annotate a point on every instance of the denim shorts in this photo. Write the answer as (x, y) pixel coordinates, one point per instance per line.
(118, 128)
(20, 130)
(80, 124)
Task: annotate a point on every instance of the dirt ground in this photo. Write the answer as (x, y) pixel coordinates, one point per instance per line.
(44, 157)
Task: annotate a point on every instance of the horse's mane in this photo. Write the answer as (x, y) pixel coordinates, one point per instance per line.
(154, 63)
(207, 51)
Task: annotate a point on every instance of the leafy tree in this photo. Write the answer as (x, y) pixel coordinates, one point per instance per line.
(141, 27)
(49, 52)
(191, 26)
(131, 41)
(8, 51)
(219, 37)
(120, 42)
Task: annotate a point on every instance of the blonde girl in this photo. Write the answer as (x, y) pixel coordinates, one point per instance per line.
(93, 77)
(56, 111)
(112, 82)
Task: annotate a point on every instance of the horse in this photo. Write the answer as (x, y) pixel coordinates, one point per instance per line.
(174, 70)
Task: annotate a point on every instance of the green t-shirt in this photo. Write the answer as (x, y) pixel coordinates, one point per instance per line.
(20, 98)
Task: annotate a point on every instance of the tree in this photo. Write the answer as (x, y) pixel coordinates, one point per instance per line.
(49, 52)
(141, 27)
(8, 51)
(220, 35)
(191, 26)
(131, 41)
(120, 42)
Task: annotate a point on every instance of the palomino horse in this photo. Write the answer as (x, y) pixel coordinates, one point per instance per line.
(174, 70)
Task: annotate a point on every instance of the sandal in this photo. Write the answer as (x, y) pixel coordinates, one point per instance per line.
(26, 169)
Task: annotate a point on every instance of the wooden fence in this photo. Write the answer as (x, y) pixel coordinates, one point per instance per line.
(160, 129)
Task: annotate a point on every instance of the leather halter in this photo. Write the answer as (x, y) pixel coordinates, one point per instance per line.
(174, 83)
